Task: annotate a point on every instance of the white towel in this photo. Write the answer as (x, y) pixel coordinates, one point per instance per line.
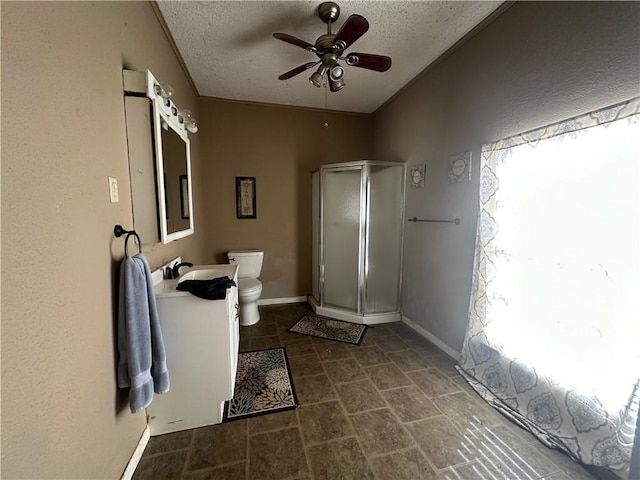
(142, 364)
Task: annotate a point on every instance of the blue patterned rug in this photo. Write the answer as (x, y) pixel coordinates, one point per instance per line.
(329, 329)
(263, 385)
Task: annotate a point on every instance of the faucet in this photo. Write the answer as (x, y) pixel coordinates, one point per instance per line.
(174, 272)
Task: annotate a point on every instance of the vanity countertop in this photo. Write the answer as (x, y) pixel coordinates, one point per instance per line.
(167, 288)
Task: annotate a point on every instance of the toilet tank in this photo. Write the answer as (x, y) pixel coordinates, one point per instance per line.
(249, 262)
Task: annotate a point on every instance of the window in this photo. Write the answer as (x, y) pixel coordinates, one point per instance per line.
(554, 331)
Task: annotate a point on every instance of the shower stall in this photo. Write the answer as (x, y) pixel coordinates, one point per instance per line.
(357, 223)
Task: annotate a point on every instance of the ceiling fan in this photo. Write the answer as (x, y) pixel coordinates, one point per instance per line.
(330, 48)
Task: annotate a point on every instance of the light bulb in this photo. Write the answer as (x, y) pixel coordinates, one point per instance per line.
(167, 91)
(191, 125)
(185, 113)
(336, 73)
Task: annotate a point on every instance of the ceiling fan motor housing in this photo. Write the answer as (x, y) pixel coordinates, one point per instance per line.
(324, 44)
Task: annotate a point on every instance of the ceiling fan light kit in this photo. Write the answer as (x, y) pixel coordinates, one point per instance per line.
(330, 49)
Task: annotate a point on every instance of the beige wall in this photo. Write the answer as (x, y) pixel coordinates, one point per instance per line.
(63, 133)
(537, 63)
(279, 146)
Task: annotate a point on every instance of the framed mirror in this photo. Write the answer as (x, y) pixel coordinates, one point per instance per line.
(173, 159)
(159, 159)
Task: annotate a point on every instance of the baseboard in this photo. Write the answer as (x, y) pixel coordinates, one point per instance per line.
(137, 455)
(278, 301)
(432, 338)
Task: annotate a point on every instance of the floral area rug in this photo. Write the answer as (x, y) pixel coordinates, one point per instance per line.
(263, 385)
(330, 329)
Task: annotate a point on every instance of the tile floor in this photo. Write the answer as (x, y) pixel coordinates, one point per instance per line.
(392, 408)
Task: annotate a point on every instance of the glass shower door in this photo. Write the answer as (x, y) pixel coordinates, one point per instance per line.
(341, 211)
(384, 242)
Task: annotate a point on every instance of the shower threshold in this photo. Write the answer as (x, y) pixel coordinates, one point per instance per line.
(353, 317)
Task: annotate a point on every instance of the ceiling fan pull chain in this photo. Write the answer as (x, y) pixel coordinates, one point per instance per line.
(326, 123)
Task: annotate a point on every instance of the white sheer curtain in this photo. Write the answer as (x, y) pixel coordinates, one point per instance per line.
(554, 331)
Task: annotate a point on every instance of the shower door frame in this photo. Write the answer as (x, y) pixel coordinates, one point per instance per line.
(358, 316)
(343, 167)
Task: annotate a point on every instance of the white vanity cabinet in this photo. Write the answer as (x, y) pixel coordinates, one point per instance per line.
(201, 339)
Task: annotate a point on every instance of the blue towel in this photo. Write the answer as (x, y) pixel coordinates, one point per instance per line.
(142, 364)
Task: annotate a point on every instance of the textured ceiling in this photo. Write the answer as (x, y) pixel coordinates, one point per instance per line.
(230, 53)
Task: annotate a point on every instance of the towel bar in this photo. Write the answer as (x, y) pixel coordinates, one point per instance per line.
(455, 220)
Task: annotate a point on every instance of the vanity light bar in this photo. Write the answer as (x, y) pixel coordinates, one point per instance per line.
(144, 83)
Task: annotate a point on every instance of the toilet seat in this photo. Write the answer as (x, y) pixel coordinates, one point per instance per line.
(249, 285)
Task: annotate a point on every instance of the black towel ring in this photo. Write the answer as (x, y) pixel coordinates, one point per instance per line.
(137, 237)
(118, 231)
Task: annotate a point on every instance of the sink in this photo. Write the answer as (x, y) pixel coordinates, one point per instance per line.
(167, 288)
(205, 274)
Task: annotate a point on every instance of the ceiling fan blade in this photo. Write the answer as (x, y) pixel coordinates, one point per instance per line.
(379, 63)
(294, 41)
(352, 30)
(297, 70)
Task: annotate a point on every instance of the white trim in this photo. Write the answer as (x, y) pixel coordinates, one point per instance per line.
(432, 338)
(137, 455)
(278, 301)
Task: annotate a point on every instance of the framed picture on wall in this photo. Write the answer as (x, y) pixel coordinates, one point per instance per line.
(459, 168)
(416, 176)
(246, 197)
(184, 196)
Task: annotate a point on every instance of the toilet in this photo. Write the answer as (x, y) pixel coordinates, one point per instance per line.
(249, 287)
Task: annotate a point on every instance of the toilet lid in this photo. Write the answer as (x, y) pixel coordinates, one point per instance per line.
(249, 284)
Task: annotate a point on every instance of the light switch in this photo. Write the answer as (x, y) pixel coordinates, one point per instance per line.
(113, 189)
